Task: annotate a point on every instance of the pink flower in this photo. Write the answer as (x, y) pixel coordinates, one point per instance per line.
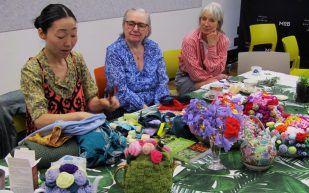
(166, 148)
(153, 141)
(141, 142)
(135, 148)
(156, 156)
(147, 148)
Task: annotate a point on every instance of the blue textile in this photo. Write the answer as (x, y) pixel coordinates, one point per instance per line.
(72, 127)
(136, 88)
(102, 146)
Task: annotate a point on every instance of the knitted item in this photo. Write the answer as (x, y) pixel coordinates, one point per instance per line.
(143, 176)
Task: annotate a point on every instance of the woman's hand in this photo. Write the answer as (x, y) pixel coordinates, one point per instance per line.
(114, 103)
(212, 39)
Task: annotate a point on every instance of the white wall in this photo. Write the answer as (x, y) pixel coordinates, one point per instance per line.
(168, 29)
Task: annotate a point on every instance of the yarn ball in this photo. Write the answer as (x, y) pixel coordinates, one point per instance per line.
(283, 148)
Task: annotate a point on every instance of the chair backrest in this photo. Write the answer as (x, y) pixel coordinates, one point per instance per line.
(99, 74)
(274, 61)
(171, 58)
(263, 34)
(290, 46)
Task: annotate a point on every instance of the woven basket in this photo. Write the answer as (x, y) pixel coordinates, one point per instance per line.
(143, 176)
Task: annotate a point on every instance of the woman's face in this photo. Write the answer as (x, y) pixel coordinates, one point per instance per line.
(61, 37)
(135, 27)
(208, 23)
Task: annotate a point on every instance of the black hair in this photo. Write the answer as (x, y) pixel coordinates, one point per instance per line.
(51, 13)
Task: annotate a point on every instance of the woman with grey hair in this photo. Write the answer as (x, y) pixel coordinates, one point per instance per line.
(135, 64)
(203, 52)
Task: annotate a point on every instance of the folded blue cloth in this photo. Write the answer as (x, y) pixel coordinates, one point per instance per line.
(72, 127)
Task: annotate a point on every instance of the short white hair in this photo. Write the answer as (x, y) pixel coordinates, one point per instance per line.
(138, 10)
(215, 9)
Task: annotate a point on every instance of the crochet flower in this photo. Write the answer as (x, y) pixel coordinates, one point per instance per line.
(156, 156)
(65, 180)
(135, 148)
(80, 178)
(232, 128)
(147, 148)
(69, 168)
(301, 137)
(281, 128)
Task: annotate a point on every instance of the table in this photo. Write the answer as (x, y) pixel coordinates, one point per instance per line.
(285, 175)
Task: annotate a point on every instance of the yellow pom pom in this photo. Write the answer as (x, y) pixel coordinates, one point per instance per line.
(292, 150)
(65, 180)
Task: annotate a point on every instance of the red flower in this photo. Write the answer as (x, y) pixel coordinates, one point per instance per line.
(156, 156)
(301, 137)
(232, 127)
(248, 107)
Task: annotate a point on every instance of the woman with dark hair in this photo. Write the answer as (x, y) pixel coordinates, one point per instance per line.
(56, 82)
(203, 52)
(135, 64)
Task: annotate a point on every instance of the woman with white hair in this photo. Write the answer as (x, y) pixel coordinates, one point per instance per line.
(135, 64)
(203, 52)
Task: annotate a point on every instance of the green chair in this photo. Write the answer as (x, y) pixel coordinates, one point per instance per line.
(290, 46)
(263, 34)
(171, 58)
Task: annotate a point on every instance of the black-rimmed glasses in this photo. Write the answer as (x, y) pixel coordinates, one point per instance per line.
(132, 24)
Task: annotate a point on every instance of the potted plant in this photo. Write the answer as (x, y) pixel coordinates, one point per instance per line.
(302, 90)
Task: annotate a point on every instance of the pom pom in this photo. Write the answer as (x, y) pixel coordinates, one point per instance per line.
(69, 168)
(135, 148)
(292, 150)
(80, 178)
(156, 156)
(147, 148)
(283, 149)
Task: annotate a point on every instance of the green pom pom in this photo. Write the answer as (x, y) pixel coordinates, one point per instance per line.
(292, 150)
(278, 141)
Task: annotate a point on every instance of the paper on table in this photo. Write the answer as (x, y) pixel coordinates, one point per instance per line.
(177, 170)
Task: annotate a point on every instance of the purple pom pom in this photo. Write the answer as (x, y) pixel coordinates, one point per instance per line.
(69, 168)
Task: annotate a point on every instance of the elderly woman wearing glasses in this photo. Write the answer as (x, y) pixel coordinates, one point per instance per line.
(135, 64)
(203, 52)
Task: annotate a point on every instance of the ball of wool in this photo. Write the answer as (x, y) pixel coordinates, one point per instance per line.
(283, 148)
(292, 150)
(278, 141)
(65, 180)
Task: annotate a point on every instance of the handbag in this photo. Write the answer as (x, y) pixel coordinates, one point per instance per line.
(143, 176)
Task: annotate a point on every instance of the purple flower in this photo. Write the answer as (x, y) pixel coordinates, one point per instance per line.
(69, 168)
(80, 178)
(51, 175)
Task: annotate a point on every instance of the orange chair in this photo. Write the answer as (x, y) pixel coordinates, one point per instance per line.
(99, 74)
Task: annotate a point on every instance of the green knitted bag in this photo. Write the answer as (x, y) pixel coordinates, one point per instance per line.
(143, 176)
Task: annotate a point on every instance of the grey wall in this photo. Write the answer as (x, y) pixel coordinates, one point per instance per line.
(85, 10)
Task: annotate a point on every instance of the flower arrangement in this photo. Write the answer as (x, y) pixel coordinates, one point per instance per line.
(156, 151)
(292, 136)
(263, 106)
(221, 121)
(67, 178)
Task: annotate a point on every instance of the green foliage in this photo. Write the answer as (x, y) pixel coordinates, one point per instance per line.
(304, 81)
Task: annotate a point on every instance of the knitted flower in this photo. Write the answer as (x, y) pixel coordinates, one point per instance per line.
(135, 148)
(65, 180)
(301, 137)
(147, 148)
(281, 128)
(80, 178)
(156, 156)
(69, 168)
(232, 128)
(51, 175)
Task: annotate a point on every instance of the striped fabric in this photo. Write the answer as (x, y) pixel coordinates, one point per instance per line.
(202, 62)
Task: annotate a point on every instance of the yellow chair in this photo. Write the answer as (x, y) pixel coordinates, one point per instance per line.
(99, 74)
(290, 45)
(171, 58)
(263, 34)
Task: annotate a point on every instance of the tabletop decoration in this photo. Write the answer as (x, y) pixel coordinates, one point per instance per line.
(264, 106)
(66, 178)
(148, 168)
(220, 122)
(258, 149)
(292, 136)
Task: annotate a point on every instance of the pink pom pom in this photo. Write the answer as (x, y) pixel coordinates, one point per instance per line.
(147, 148)
(153, 141)
(156, 156)
(135, 148)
